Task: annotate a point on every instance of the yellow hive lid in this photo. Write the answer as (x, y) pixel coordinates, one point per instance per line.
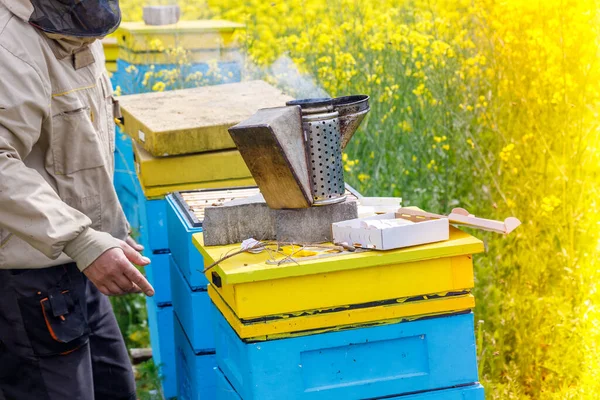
(246, 267)
(197, 26)
(159, 192)
(192, 168)
(146, 44)
(317, 321)
(194, 120)
(111, 50)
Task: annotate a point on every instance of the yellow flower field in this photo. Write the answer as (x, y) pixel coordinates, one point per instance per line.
(487, 105)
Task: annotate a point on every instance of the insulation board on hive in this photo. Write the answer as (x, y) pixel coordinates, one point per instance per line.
(194, 120)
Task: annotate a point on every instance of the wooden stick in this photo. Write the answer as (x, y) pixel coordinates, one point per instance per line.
(138, 356)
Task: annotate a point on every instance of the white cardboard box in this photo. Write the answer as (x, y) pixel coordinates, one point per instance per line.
(387, 238)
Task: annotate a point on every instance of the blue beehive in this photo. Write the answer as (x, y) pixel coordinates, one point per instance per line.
(194, 311)
(161, 325)
(196, 379)
(203, 52)
(181, 227)
(366, 362)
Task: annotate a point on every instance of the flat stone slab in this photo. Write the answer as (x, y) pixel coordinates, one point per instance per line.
(238, 221)
(312, 225)
(252, 218)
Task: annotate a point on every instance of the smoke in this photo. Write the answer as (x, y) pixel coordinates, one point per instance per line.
(284, 74)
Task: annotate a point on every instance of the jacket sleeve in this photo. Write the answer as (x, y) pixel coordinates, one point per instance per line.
(29, 207)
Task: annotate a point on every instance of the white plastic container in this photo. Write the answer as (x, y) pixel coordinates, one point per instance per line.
(355, 233)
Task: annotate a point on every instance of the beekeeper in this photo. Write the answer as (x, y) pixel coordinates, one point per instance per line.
(64, 241)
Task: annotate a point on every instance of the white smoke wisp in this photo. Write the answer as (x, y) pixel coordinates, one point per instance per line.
(284, 74)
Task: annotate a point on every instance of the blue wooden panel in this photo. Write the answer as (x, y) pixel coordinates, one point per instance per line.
(194, 310)
(360, 363)
(159, 277)
(470, 392)
(196, 379)
(224, 389)
(161, 326)
(188, 258)
(154, 223)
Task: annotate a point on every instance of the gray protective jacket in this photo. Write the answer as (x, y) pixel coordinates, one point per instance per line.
(57, 131)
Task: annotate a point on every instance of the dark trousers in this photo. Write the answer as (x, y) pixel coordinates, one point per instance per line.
(59, 339)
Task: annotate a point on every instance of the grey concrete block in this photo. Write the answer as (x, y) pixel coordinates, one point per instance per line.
(312, 225)
(238, 221)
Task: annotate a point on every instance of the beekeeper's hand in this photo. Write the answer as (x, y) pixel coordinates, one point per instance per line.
(114, 274)
(131, 241)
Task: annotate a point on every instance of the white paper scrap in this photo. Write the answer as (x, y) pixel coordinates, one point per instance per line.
(252, 246)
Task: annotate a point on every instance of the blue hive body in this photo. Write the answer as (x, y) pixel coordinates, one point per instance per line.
(160, 323)
(360, 363)
(195, 371)
(194, 311)
(469, 392)
(184, 253)
(154, 223)
(159, 277)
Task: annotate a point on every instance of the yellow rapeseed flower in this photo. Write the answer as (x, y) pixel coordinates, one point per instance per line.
(159, 87)
(132, 69)
(527, 137)
(550, 203)
(506, 151)
(363, 177)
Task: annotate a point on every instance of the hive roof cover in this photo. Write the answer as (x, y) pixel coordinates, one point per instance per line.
(194, 120)
(253, 267)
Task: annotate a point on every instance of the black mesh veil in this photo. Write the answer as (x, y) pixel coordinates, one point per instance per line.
(80, 18)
